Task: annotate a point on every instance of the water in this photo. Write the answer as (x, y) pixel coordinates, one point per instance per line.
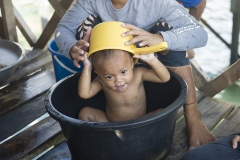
(214, 58)
(8, 57)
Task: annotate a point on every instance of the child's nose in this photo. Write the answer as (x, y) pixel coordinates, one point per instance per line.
(118, 79)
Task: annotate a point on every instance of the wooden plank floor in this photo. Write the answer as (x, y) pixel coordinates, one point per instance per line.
(28, 132)
(22, 102)
(213, 112)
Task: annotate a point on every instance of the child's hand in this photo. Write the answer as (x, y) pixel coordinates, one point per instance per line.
(145, 38)
(78, 50)
(235, 141)
(86, 61)
(146, 57)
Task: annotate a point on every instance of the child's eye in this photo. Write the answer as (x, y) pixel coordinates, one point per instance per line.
(108, 77)
(124, 71)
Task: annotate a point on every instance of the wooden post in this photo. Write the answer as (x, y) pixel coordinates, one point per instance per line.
(52, 24)
(235, 5)
(8, 18)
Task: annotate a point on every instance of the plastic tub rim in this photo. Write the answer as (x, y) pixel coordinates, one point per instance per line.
(103, 126)
(53, 51)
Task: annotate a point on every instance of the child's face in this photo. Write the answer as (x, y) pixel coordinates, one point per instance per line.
(116, 73)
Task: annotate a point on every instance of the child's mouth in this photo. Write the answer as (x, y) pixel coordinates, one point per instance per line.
(120, 88)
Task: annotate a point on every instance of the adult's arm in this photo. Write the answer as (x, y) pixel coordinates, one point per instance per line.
(187, 33)
(197, 11)
(67, 28)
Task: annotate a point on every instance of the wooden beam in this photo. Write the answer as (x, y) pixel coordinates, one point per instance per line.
(51, 26)
(222, 81)
(28, 112)
(2, 35)
(60, 151)
(200, 77)
(235, 37)
(59, 9)
(235, 5)
(23, 27)
(8, 18)
(22, 91)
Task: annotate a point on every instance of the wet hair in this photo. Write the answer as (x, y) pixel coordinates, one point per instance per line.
(102, 55)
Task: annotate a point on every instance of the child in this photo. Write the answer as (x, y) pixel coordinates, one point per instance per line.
(121, 83)
(186, 34)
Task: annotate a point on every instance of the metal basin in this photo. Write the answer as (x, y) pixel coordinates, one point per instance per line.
(11, 55)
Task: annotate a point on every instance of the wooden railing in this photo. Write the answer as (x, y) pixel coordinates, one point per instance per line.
(11, 19)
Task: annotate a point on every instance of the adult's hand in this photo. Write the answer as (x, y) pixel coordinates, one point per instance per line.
(235, 141)
(77, 51)
(144, 38)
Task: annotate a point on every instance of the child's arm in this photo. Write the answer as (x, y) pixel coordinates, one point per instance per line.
(158, 73)
(86, 88)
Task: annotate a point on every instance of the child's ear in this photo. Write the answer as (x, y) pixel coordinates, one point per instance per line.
(95, 72)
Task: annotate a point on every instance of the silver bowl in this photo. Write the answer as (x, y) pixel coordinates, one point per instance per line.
(11, 55)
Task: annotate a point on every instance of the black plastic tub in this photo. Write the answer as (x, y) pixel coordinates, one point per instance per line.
(145, 138)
